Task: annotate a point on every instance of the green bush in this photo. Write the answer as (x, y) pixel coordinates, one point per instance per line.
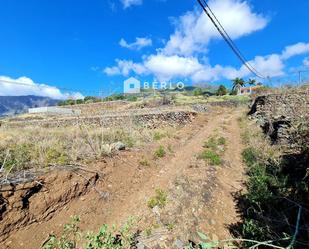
(250, 156)
(158, 136)
(56, 156)
(160, 152)
(275, 192)
(160, 199)
(198, 91)
(221, 141)
(258, 185)
(221, 90)
(210, 156)
(211, 143)
(132, 98)
(254, 229)
(69, 238)
(72, 237)
(17, 157)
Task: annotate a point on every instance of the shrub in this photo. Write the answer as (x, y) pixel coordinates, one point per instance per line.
(221, 90)
(250, 156)
(16, 157)
(56, 156)
(159, 199)
(158, 136)
(131, 98)
(72, 237)
(160, 152)
(144, 162)
(198, 91)
(210, 156)
(170, 226)
(277, 191)
(258, 185)
(221, 141)
(69, 238)
(211, 143)
(254, 229)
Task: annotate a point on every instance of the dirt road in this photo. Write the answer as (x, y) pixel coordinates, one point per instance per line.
(199, 195)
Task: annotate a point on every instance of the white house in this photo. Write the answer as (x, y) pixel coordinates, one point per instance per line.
(248, 90)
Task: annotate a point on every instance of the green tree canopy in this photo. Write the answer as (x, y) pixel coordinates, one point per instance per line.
(238, 83)
(222, 90)
(197, 91)
(251, 82)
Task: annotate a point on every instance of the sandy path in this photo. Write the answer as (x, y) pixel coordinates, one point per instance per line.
(129, 185)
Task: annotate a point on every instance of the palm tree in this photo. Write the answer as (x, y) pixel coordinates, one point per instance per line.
(251, 82)
(238, 83)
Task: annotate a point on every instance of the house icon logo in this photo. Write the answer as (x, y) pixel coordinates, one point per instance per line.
(131, 85)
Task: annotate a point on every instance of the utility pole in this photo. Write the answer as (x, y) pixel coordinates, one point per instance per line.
(101, 94)
(300, 78)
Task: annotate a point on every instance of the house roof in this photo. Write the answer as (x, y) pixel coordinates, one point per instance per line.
(252, 88)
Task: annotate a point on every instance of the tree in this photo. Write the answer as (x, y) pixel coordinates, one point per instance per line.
(238, 83)
(221, 90)
(79, 101)
(251, 82)
(197, 91)
(91, 99)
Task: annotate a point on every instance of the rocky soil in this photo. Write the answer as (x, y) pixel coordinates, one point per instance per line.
(110, 191)
(33, 201)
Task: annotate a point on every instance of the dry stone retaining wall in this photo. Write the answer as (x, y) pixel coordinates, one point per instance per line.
(280, 114)
(147, 119)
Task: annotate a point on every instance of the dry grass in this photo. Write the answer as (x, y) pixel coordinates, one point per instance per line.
(253, 137)
(181, 99)
(37, 147)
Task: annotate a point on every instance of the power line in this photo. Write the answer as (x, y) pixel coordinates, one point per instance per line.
(228, 39)
(231, 41)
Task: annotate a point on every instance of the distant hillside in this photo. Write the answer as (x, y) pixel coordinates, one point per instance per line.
(10, 105)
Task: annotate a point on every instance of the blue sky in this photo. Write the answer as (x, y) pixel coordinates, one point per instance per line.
(92, 47)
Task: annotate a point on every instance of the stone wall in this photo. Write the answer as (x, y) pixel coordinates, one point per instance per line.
(280, 114)
(98, 108)
(146, 119)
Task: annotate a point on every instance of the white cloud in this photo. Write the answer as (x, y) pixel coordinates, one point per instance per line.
(209, 73)
(137, 45)
(165, 68)
(306, 62)
(168, 67)
(183, 55)
(270, 65)
(125, 67)
(25, 86)
(161, 66)
(294, 50)
(194, 30)
(128, 3)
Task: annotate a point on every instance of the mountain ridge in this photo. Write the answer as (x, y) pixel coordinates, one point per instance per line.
(12, 105)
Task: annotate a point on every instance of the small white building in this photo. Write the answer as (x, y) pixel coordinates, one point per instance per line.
(248, 90)
(54, 110)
